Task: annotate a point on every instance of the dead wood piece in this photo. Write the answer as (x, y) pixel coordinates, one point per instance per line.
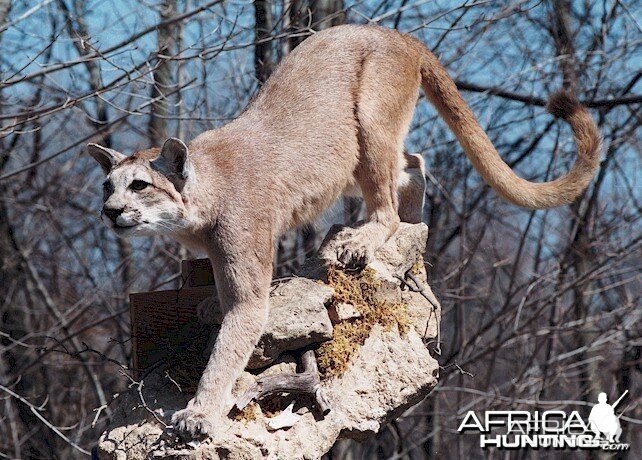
(307, 382)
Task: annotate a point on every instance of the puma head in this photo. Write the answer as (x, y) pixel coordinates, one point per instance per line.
(142, 193)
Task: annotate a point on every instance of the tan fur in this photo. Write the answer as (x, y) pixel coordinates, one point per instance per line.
(331, 119)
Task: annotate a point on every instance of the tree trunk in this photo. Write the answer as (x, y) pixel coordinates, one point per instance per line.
(5, 7)
(163, 79)
(263, 55)
(326, 13)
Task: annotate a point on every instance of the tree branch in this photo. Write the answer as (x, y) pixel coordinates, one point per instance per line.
(541, 102)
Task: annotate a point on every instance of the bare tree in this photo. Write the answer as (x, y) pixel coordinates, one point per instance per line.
(541, 308)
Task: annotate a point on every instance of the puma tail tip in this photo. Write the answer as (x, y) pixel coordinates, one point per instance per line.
(563, 104)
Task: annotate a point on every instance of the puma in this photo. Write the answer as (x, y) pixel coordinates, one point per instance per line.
(331, 119)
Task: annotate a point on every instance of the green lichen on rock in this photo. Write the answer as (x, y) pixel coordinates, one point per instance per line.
(360, 290)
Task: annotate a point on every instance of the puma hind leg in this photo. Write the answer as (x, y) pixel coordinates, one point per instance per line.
(376, 175)
(383, 121)
(412, 189)
(356, 246)
(390, 198)
(385, 210)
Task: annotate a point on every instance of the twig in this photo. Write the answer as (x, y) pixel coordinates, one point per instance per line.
(459, 368)
(420, 288)
(36, 412)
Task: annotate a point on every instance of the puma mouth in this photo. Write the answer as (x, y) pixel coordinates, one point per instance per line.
(123, 228)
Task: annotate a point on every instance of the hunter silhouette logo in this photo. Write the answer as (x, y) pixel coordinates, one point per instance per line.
(554, 429)
(603, 421)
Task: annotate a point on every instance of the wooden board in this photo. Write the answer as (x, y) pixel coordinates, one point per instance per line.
(166, 332)
(197, 272)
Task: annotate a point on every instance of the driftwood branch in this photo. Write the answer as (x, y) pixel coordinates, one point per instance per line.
(306, 382)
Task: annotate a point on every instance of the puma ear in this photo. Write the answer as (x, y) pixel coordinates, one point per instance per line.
(106, 158)
(174, 162)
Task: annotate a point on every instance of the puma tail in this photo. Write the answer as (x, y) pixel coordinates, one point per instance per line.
(442, 92)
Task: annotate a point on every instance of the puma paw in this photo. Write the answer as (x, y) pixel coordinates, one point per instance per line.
(352, 249)
(354, 255)
(194, 422)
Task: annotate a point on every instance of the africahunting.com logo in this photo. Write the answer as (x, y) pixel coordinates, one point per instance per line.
(554, 429)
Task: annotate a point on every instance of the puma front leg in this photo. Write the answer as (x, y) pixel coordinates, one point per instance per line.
(243, 273)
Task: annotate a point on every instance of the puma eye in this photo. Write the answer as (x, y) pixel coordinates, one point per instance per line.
(139, 185)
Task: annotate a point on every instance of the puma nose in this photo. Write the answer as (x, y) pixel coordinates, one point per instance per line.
(113, 213)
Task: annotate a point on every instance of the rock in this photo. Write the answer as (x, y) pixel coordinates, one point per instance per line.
(342, 312)
(401, 252)
(130, 441)
(298, 317)
(392, 260)
(423, 311)
(387, 289)
(389, 373)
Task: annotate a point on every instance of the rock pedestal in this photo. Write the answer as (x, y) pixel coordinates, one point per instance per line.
(386, 372)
